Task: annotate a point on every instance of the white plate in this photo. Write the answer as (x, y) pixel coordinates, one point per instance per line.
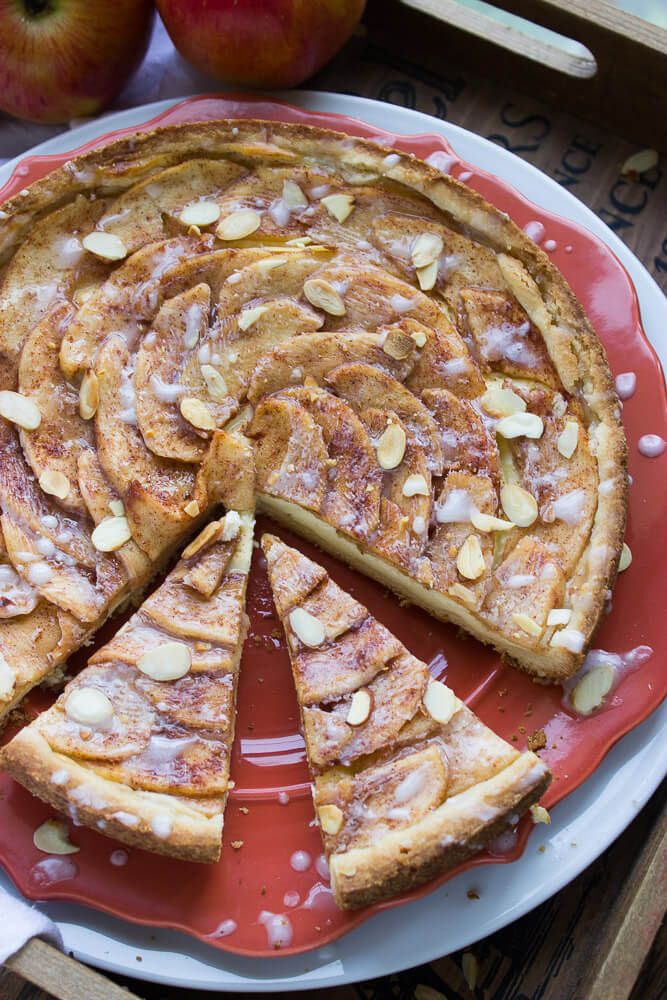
(582, 826)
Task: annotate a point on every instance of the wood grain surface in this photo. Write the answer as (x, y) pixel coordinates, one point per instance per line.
(599, 938)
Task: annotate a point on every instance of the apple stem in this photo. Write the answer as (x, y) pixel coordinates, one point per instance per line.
(35, 8)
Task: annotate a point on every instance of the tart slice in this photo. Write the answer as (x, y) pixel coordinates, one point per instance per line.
(407, 781)
(138, 744)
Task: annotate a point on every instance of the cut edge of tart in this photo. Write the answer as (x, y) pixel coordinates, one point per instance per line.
(138, 745)
(408, 782)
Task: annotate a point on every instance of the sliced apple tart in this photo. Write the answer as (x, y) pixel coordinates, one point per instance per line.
(407, 781)
(138, 744)
(195, 313)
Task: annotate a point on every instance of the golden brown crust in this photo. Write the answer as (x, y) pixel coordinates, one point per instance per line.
(444, 838)
(110, 807)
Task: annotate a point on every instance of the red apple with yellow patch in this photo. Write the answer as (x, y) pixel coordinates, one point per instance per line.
(63, 59)
(260, 43)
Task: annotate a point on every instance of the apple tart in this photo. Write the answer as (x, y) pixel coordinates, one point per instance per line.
(219, 312)
(138, 744)
(407, 781)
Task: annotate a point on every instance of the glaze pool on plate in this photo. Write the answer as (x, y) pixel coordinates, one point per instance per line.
(427, 941)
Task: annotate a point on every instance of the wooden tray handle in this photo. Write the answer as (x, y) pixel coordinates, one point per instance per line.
(42, 964)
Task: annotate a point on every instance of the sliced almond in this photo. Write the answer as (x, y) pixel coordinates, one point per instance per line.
(240, 421)
(360, 708)
(249, 316)
(339, 206)
(427, 248)
(415, 485)
(462, 593)
(568, 439)
(89, 395)
(197, 413)
(231, 525)
(419, 337)
(440, 702)
(20, 410)
(470, 561)
(559, 616)
(55, 483)
(640, 162)
(117, 508)
(307, 628)
(470, 968)
(293, 196)
(89, 707)
(592, 689)
(215, 383)
(52, 837)
(487, 522)
(626, 558)
(167, 662)
(299, 242)
(526, 624)
(398, 345)
(105, 245)
(239, 224)
(427, 276)
(331, 819)
(111, 533)
(519, 505)
(200, 213)
(323, 295)
(528, 425)
(539, 814)
(192, 509)
(210, 534)
(391, 447)
(501, 402)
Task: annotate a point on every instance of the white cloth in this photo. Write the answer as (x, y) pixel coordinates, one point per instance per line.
(162, 74)
(19, 922)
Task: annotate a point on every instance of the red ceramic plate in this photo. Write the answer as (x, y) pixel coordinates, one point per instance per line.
(270, 810)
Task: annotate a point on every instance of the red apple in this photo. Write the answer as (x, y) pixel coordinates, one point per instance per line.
(62, 59)
(260, 43)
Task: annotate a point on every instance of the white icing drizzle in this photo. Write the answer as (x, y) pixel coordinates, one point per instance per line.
(568, 508)
(620, 663)
(49, 871)
(166, 392)
(118, 858)
(322, 867)
(279, 930)
(283, 798)
(519, 580)
(534, 230)
(458, 506)
(400, 303)
(651, 445)
(291, 899)
(442, 161)
(161, 825)
(224, 929)
(300, 861)
(626, 383)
